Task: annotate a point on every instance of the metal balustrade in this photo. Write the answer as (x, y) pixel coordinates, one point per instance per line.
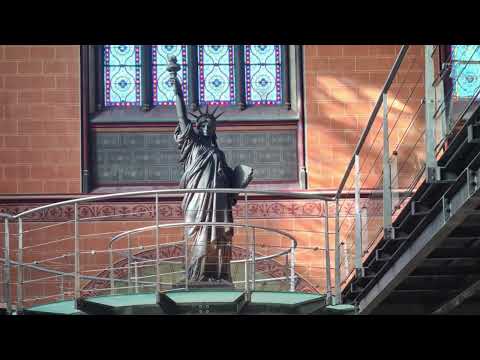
(413, 121)
(411, 124)
(81, 259)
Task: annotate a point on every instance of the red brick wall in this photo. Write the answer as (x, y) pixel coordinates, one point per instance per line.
(40, 137)
(40, 112)
(341, 87)
(40, 119)
(307, 230)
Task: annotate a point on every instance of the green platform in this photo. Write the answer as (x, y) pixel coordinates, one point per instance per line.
(196, 302)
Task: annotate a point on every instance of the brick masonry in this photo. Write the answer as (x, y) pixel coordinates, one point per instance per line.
(40, 112)
(40, 135)
(342, 84)
(40, 118)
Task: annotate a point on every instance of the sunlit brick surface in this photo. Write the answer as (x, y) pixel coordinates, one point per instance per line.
(40, 119)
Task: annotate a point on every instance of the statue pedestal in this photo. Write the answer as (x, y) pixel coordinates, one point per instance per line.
(218, 284)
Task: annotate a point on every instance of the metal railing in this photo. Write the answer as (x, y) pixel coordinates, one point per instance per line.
(78, 257)
(5, 297)
(414, 117)
(412, 122)
(370, 168)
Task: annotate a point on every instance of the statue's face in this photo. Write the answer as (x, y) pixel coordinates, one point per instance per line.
(207, 127)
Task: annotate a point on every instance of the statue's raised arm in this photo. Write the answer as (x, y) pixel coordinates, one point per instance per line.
(173, 68)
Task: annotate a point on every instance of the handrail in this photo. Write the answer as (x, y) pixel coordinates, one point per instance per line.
(206, 223)
(378, 104)
(308, 195)
(97, 278)
(58, 272)
(76, 273)
(424, 161)
(146, 228)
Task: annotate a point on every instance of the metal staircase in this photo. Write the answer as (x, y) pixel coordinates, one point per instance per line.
(428, 259)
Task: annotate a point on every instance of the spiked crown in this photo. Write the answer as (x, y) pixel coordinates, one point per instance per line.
(204, 115)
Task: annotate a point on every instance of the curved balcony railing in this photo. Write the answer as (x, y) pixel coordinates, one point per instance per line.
(115, 253)
(247, 261)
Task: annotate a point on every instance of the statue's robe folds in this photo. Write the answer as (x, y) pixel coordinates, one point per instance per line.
(205, 168)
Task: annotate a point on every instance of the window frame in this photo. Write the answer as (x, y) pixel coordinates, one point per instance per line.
(95, 114)
(456, 104)
(165, 113)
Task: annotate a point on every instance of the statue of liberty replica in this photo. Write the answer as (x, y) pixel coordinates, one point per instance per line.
(205, 167)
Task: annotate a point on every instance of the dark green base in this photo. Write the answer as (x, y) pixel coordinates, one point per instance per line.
(196, 301)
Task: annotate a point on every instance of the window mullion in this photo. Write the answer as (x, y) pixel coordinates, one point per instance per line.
(100, 98)
(192, 74)
(147, 83)
(240, 76)
(285, 76)
(85, 88)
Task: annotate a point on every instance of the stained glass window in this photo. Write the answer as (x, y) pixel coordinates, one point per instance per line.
(216, 74)
(122, 75)
(162, 92)
(263, 80)
(252, 75)
(465, 70)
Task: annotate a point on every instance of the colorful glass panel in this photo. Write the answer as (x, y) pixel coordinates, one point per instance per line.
(465, 53)
(122, 66)
(465, 70)
(163, 93)
(216, 74)
(263, 68)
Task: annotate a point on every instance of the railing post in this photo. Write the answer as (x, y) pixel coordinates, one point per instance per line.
(287, 266)
(358, 220)
(245, 270)
(112, 279)
(338, 290)
(387, 188)
(292, 267)
(20, 267)
(157, 252)
(62, 288)
(439, 91)
(365, 235)
(135, 267)
(7, 268)
(77, 258)
(430, 161)
(185, 236)
(253, 259)
(394, 182)
(346, 257)
(129, 264)
(327, 257)
(247, 287)
(186, 262)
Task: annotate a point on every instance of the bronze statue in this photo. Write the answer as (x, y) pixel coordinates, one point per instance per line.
(205, 167)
